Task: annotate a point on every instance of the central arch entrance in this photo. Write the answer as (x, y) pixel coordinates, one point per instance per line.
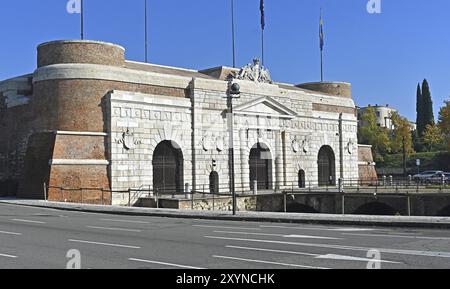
(261, 167)
(327, 167)
(168, 168)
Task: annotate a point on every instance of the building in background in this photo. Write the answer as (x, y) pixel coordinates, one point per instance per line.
(384, 115)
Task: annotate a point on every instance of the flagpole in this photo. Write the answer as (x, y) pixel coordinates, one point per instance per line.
(262, 45)
(233, 34)
(82, 20)
(263, 24)
(146, 33)
(321, 45)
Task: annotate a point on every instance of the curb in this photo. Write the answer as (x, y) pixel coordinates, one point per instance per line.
(294, 218)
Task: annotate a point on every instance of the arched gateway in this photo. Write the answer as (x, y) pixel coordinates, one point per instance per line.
(327, 167)
(168, 168)
(261, 167)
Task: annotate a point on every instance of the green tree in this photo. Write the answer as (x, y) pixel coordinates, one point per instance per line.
(401, 136)
(371, 134)
(444, 123)
(432, 136)
(428, 115)
(419, 110)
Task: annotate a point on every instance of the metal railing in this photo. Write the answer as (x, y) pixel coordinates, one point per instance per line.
(131, 197)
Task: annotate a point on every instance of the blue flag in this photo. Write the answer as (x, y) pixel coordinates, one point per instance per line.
(263, 20)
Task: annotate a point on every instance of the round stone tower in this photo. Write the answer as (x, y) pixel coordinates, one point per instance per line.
(341, 89)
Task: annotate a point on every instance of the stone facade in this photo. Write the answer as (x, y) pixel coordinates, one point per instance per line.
(101, 120)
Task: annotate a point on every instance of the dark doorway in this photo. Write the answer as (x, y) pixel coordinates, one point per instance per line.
(261, 167)
(168, 168)
(301, 179)
(327, 167)
(214, 183)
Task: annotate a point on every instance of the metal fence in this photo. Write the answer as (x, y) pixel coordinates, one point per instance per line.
(132, 196)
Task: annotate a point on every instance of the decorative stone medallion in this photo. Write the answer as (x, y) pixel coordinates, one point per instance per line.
(350, 146)
(295, 145)
(128, 140)
(220, 144)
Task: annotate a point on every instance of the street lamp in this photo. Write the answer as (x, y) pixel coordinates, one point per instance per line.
(234, 92)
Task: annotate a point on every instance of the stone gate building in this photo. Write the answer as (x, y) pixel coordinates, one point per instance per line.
(87, 118)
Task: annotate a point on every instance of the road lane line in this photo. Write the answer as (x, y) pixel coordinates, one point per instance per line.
(340, 247)
(351, 258)
(114, 229)
(268, 262)
(103, 244)
(166, 264)
(272, 251)
(10, 233)
(351, 230)
(28, 221)
(223, 227)
(8, 256)
(320, 229)
(397, 236)
(278, 235)
(317, 256)
(124, 221)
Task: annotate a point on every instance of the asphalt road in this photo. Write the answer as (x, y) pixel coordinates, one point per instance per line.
(41, 238)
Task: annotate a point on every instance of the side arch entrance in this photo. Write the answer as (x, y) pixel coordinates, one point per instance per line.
(168, 168)
(327, 167)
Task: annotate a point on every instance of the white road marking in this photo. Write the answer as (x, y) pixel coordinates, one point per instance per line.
(222, 227)
(164, 263)
(340, 247)
(115, 229)
(125, 221)
(351, 258)
(321, 229)
(273, 251)
(351, 230)
(278, 235)
(28, 221)
(104, 244)
(8, 256)
(398, 236)
(268, 262)
(10, 233)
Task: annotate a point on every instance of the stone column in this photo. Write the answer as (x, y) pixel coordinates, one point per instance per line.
(244, 167)
(278, 160)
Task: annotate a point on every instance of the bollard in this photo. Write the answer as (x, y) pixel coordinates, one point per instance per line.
(384, 181)
(187, 191)
(391, 180)
(410, 180)
(341, 185)
(255, 187)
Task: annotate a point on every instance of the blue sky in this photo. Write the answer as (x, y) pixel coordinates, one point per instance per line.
(383, 55)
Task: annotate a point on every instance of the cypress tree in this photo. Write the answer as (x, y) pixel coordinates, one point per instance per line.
(427, 107)
(419, 110)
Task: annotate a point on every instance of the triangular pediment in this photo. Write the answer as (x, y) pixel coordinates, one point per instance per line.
(265, 106)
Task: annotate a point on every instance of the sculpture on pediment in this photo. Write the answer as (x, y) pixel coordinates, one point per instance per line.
(253, 72)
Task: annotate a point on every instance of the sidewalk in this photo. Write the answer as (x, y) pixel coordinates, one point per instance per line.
(390, 221)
